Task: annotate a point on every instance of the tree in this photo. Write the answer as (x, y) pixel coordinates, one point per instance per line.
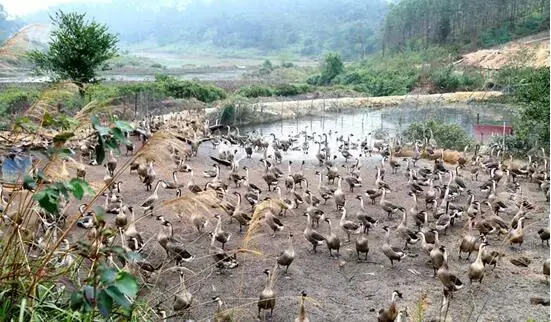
(76, 50)
(332, 66)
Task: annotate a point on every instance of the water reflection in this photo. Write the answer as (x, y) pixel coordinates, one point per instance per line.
(393, 119)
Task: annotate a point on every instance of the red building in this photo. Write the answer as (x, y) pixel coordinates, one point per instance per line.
(483, 131)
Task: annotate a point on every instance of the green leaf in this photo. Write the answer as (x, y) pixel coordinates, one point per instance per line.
(105, 304)
(76, 300)
(29, 183)
(61, 138)
(79, 188)
(124, 126)
(117, 296)
(100, 152)
(118, 135)
(107, 275)
(127, 284)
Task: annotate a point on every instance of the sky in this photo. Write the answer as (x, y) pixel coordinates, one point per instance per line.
(25, 7)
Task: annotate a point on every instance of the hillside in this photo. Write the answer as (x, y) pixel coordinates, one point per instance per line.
(12, 51)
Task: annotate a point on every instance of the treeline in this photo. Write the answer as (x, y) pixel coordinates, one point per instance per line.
(417, 24)
(305, 27)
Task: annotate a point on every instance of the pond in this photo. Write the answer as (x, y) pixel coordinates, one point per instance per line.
(392, 119)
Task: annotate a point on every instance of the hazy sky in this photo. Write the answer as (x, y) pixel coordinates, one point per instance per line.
(23, 7)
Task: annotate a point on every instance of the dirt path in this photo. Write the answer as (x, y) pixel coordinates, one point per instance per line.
(355, 291)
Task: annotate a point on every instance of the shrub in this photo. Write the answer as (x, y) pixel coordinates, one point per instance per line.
(189, 89)
(156, 65)
(255, 91)
(14, 100)
(291, 89)
(447, 136)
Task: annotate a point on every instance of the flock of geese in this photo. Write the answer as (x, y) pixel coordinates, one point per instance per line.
(482, 192)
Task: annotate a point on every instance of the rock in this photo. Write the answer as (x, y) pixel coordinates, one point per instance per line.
(520, 261)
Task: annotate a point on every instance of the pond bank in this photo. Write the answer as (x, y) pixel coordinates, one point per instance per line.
(265, 112)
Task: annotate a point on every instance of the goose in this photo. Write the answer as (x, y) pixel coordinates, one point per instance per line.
(150, 202)
(270, 179)
(171, 246)
(436, 255)
(248, 184)
(302, 315)
(444, 220)
(221, 236)
(184, 299)
(426, 229)
(242, 218)
(298, 177)
(366, 221)
(348, 226)
(516, 235)
(544, 235)
(174, 184)
(379, 180)
(450, 282)
(120, 219)
(267, 299)
(414, 187)
(289, 180)
(312, 236)
(409, 236)
(285, 203)
(235, 177)
(390, 314)
(320, 156)
(311, 199)
(222, 314)
(198, 220)
(194, 188)
(149, 177)
(88, 221)
(324, 191)
(333, 242)
(81, 168)
(373, 194)
(299, 200)
(132, 233)
(476, 269)
(222, 259)
(459, 181)
(427, 247)
(394, 165)
(546, 269)
(211, 173)
(392, 253)
(362, 246)
(252, 197)
(287, 256)
(468, 242)
(273, 222)
(338, 195)
(111, 163)
(316, 214)
(389, 207)
(353, 182)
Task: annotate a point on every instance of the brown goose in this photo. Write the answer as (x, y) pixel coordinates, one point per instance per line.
(174, 184)
(111, 163)
(273, 222)
(332, 240)
(449, 280)
(149, 177)
(436, 255)
(544, 235)
(287, 256)
(222, 259)
(392, 253)
(390, 314)
(316, 214)
(476, 269)
(312, 236)
(353, 182)
(516, 235)
(468, 242)
(362, 246)
(267, 299)
(221, 236)
(184, 299)
(171, 246)
(389, 207)
(289, 180)
(222, 314)
(366, 221)
(324, 191)
(194, 188)
(242, 218)
(302, 315)
(408, 235)
(373, 194)
(132, 233)
(338, 195)
(348, 226)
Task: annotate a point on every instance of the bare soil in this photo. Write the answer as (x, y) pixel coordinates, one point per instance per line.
(341, 289)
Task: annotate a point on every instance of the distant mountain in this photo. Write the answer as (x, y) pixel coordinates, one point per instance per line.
(301, 27)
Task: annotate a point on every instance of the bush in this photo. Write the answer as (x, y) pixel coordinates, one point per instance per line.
(14, 100)
(291, 89)
(255, 91)
(449, 80)
(447, 136)
(156, 65)
(189, 89)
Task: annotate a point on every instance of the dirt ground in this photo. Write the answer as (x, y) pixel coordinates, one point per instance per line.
(341, 289)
